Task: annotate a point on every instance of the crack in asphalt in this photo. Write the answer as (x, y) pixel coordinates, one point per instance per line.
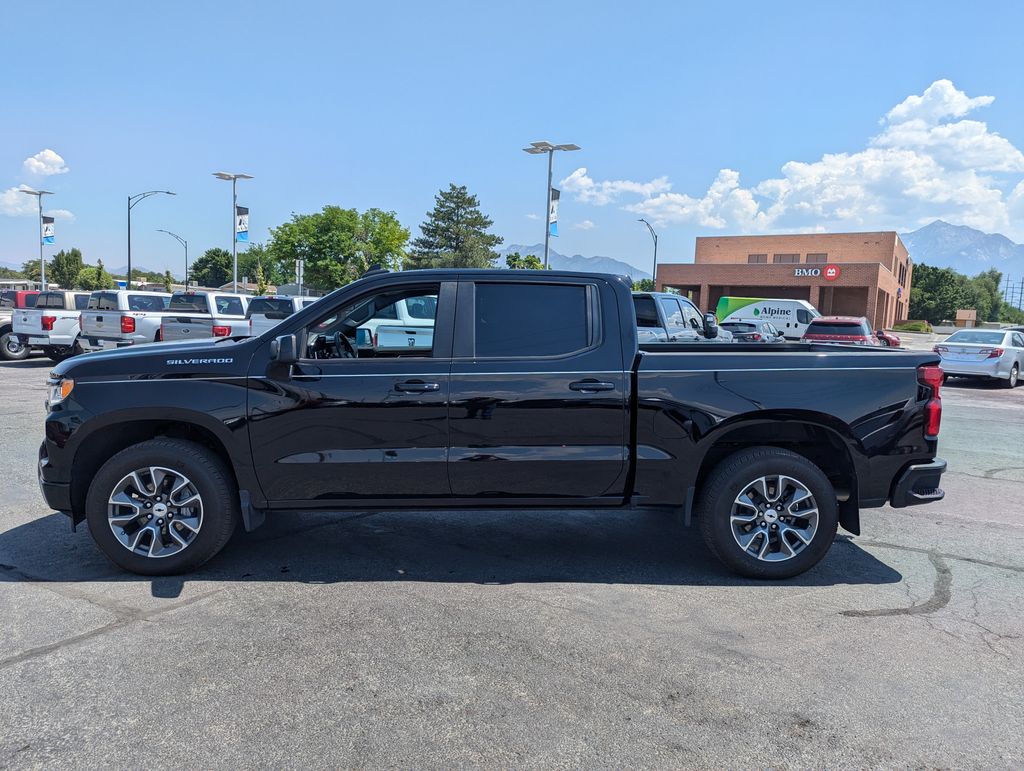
(942, 592)
(121, 621)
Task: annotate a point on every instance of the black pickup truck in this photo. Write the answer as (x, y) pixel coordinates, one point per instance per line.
(532, 392)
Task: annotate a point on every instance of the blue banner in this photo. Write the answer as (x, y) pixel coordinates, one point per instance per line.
(48, 230)
(242, 224)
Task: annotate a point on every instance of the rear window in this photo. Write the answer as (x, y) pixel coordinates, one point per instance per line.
(972, 336)
(229, 306)
(646, 313)
(524, 320)
(421, 307)
(146, 302)
(81, 302)
(30, 300)
(103, 301)
(849, 328)
(7, 299)
(194, 302)
(50, 300)
(260, 306)
(733, 326)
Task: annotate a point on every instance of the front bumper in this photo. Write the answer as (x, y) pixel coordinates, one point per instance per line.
(919, 484)
(56, 494)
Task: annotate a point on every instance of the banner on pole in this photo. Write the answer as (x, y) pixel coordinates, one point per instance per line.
(242, 224)
(47, 230)
(553, 212)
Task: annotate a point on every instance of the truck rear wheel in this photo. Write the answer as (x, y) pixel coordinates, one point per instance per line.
(768, 513)
(162, 507)
(11, 348)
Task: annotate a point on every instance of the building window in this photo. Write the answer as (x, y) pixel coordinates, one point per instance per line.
(817, 259)
(757, 259)
(786, 259)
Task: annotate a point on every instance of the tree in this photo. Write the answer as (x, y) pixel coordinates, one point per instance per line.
(30, 269)
(455, 234)
(258, 256)
(517, 261)
(213, 268)
(65, 267)
(168, 281)
(260, 279)
(92, 278)
(644, 285)
(338, 245)
(6, 272)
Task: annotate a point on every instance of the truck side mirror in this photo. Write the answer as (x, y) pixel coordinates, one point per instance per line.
(710, 326)
(284, 349)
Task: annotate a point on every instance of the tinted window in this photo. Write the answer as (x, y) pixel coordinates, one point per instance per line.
(263, 305)
(103, 301)
(196, 302)
(7, 299)
(145, 302)
(229, 306)
(692, 316)
(972, 336)
(733, 326)
(530, 319)
(30, 300)
(1018, 340)
(81, 302)
(802, 316)
(855, 328)
(50, 300)
(646, 312)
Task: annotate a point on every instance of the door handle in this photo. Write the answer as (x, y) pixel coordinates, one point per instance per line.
(417, 386)
(591, 386)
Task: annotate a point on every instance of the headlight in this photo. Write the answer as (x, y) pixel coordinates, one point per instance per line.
(59, 391)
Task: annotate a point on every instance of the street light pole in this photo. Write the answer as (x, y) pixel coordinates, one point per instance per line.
(536, 148)
(184, 243)
(654, 269)
(132, 200)
(42, 263)
(234, 210)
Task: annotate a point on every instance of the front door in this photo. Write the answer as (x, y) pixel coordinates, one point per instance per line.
(538, 392)
(348, 422)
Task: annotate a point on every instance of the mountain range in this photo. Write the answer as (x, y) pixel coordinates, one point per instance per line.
(965, 249)
(576, 262)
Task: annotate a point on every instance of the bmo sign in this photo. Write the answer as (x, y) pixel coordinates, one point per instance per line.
(830, 272)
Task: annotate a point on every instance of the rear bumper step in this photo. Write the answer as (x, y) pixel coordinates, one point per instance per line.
(919, 484)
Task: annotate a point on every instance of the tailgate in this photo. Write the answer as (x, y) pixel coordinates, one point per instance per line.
(28, 321)
(101, 324)
(404, 338)
(186, 327)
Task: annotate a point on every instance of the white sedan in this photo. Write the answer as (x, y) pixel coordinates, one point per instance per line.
(989, 353)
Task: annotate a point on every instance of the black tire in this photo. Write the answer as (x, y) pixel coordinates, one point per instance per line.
(212, 479)
(731, 477)
(1013, 379)
(11, 348)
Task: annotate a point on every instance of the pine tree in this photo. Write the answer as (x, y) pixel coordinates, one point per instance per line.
(455, 234)
(168, 281)
(260, 279)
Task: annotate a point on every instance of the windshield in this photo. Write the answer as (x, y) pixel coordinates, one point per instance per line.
(975, 336)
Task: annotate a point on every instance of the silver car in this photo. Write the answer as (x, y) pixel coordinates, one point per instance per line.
(996, 354)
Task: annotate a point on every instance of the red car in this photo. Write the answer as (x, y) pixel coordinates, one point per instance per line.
(851, 330)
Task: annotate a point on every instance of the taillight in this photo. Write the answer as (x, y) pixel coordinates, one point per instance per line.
(992, 353)
(940, 349)
(79, 322)
(48, 323)
(755, 336)
(931, 377)
(127, 324)
(221, 331)
(375, 340)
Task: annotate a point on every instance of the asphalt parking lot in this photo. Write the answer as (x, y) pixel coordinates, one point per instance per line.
(525, 638)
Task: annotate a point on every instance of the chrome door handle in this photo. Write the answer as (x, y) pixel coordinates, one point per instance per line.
(417, 386)
(591, 386)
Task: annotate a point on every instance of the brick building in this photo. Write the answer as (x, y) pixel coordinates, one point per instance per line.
(840, 274)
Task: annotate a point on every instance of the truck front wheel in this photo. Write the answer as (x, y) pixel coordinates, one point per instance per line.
(768, 513)
(162, 507)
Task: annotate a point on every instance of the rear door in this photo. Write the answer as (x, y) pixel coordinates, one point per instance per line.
(538, 391)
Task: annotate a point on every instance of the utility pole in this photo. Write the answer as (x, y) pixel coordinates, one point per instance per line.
(536, 148)
(234, 210)
(42, 263)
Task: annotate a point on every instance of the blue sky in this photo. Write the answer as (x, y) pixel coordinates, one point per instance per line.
(705, 117)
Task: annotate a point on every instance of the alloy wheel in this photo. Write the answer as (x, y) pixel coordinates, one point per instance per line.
(155, 512)
(774, 518)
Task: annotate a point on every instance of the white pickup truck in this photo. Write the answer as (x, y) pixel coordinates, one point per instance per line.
(123, 317)
(191, 315)
(53, 325)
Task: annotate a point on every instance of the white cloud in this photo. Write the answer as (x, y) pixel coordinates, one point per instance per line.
(587, 190)
(45, 163)
(60, 214)
(14, 203)
(533, 216)
(928, 162)
(585, 225)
